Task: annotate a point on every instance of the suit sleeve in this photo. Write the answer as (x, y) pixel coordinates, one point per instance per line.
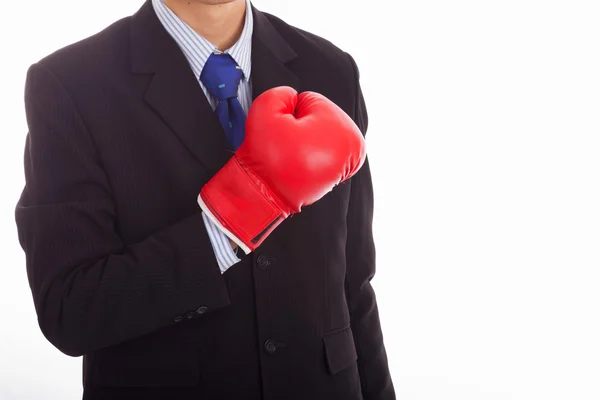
(373, 368)
(90, 290)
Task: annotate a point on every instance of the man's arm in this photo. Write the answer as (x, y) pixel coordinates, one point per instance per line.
(90, 290)
(373, 368)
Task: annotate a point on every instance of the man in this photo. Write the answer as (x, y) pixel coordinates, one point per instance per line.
(164, 292)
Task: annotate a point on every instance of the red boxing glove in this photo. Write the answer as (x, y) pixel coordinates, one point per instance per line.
(297, 148)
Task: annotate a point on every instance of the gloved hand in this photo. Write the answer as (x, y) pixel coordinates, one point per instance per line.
(297, 148)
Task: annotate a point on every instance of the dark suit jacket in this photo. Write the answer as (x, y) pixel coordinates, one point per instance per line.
(121, 140)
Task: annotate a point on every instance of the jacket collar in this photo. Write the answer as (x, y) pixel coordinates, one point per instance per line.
(173, 91)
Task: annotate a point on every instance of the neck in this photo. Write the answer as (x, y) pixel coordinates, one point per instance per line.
(220, 24)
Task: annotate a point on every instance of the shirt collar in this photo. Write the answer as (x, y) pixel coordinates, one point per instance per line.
(197, 49)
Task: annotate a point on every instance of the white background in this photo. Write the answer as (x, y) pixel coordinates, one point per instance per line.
(484, 140)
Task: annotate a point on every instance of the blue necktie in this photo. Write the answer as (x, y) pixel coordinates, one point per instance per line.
(221, 76)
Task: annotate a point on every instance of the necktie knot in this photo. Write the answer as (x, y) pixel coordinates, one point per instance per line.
(221, 76)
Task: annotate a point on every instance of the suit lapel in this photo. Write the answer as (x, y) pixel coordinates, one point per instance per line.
(178, 99)
(270, 54)
(175, 95)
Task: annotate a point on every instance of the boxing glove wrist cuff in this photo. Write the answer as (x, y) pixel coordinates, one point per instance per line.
(241, 205)
(215, 221)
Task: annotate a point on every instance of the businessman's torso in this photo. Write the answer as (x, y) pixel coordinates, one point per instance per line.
(286, 333)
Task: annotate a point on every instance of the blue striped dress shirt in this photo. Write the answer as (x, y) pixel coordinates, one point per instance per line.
(197, 50)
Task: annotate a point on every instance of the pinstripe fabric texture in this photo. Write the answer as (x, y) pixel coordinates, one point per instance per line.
(197, 50)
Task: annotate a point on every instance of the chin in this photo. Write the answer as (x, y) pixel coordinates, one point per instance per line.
(215, 2)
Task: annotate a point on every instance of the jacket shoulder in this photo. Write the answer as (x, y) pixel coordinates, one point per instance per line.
(91, 51)
(307, 43)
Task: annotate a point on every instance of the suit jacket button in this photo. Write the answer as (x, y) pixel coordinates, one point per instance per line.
(270, 347)
(178, 318)
(190, 315)
(263, 262)
(201, 310)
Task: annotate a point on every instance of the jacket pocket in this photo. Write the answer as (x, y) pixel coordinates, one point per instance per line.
(340, 351)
